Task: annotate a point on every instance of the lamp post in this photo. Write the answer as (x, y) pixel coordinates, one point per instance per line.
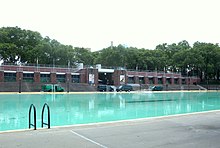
(68, 86)
(140, 83)
(53, 65)
(188, 80)
(37, 64)
(207, 80)
(68, 65)
(20, 85)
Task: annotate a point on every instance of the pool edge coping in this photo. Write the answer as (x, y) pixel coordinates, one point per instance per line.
(96, 92)
(121, 122)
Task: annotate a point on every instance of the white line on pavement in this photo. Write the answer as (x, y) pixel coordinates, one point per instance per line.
(88, 139)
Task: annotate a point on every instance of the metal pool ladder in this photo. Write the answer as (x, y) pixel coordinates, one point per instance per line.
(34, 124)
(42, 116)
(48, 116)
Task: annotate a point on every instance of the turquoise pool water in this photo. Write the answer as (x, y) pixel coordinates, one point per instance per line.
(69, 109)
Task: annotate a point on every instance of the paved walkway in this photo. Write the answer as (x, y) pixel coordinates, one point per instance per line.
(193, 131)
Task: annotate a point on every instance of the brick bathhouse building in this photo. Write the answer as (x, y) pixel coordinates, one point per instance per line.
(38, 75)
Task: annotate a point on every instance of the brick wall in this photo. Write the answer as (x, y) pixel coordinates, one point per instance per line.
(37, 77)
(19, 76)
(1, 76)
(53, 78)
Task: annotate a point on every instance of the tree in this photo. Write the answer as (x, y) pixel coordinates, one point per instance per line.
(83, 55)
(114, 57)
(210, 54)
(16, 44)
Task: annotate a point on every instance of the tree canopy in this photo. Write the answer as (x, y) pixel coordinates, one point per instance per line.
(25, 46)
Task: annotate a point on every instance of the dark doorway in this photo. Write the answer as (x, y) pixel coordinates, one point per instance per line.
(105, 78)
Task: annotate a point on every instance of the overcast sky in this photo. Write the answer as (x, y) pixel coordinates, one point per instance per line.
(95, 23)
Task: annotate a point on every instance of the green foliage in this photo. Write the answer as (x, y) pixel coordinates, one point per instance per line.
(16, 44)
(83, 55)
(114, 57)
(25, 46)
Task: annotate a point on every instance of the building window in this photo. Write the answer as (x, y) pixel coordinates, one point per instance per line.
(168, 81)
(141, 80)
(175, 81)
(160, 81)
(9, 77)
(28, 77)
(44, 78)
(131, 80)
(183, 81)
(75, 78)
(61, 78)
(151, 81)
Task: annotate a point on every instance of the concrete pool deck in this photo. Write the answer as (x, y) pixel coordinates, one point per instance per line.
(200, 130)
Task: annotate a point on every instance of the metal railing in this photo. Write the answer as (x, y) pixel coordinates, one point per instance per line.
(48, 116)
(32, 107)
(34, 124)
(41, 68)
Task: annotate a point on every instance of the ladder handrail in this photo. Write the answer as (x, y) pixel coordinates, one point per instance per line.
(30, 124)
(48, 116)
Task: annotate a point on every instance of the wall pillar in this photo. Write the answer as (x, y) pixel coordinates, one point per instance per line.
(83, 78)
(146, 80)
(19, 76)
(37, 76)
(172, 81)
(155, 80)
(136, 80)
(96, 76)
(116, 77)
(126, 77)
(68, 77)
(1, 76)
(53, 78)
(187, 81)
(164, 80)
(180, 81)
(190, 81)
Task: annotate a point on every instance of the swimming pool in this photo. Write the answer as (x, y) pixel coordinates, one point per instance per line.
(70, 109)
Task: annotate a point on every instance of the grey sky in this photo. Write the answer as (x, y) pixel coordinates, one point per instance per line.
(95, 23)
